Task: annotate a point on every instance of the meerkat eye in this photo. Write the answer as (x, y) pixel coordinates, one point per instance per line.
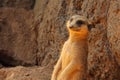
(79, 22)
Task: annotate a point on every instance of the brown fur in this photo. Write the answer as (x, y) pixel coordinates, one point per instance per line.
(72, 64)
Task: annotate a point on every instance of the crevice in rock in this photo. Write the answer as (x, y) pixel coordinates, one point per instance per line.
(33, 4)
(36, 23)
(8, 60)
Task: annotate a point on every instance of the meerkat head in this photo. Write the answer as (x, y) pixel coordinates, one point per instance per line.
(79, 25)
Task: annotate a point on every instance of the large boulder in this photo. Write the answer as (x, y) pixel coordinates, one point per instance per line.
(17, 37)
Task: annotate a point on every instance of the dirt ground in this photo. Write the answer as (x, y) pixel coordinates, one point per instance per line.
(25, 73)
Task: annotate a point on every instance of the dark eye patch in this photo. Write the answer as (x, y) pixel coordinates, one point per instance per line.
(79, 22)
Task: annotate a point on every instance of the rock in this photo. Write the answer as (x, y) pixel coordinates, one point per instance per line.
(25, 73)
(17, 37)
(26, 4)
(113, 29)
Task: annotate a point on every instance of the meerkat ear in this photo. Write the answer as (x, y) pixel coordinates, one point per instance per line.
(90, 25)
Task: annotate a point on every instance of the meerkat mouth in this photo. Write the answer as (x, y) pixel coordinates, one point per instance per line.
(75, 28)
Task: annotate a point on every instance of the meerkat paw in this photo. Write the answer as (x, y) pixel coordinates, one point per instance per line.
(62, 78)
(54, 78)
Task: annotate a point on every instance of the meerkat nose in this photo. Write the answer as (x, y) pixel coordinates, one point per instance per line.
(71, 26)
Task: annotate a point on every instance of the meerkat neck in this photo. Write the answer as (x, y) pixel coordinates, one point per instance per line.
(77, 37)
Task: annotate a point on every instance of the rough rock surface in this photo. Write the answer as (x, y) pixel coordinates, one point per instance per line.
(103, 56)
(113, 29)
(25, 73)
(27, 4)
(45, 39)
(17, 37)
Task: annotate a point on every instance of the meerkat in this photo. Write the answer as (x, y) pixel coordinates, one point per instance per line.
(72, 63)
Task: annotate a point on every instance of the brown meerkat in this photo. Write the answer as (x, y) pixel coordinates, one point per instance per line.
(72, 64)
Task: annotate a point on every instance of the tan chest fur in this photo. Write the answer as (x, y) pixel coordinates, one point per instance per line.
(72, 51)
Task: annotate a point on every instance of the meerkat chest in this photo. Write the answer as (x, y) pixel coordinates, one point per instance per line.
(70, 51)
(66, 58)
